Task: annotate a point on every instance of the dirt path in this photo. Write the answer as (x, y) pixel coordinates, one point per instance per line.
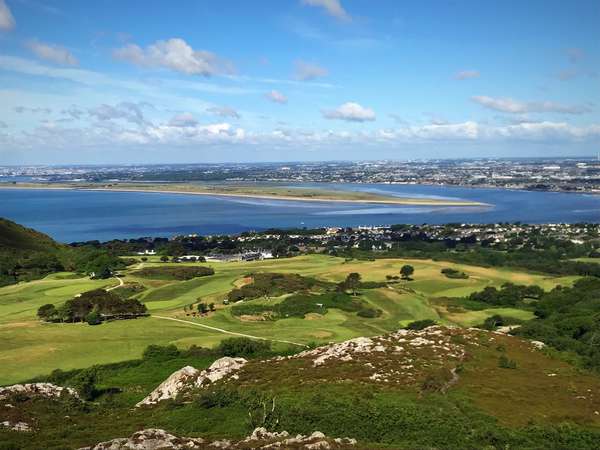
(233, 333)
(121, 283)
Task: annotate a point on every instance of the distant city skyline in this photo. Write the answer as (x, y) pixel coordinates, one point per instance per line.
(297, 80)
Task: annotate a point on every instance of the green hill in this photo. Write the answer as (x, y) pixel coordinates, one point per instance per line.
(17, 238)
(26, 254)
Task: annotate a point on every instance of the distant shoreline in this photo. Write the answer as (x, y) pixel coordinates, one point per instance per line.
(407, 201)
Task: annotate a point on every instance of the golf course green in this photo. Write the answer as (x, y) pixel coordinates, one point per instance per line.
(30, 347)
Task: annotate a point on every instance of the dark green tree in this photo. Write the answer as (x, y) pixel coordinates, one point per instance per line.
(47, 312)
(406, 271)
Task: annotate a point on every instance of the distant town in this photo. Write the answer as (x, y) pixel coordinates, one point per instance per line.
(564, 174)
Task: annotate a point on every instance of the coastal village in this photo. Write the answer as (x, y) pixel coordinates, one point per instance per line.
(250, 246)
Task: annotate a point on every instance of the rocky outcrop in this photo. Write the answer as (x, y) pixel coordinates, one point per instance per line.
(342, 351)
(189, 377)
(150, 439)
(172, 386)
(16, 426)
(404, 357)
(47, 390)
(157, 439)
(220, 369)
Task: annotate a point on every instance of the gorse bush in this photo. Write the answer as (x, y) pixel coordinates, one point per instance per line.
(243, 347)
(420, 324)
(273, 285)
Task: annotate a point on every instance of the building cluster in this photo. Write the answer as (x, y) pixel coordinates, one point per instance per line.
(565, 174)
(514, 235)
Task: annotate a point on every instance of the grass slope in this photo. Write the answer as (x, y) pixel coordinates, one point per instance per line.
(486, 406)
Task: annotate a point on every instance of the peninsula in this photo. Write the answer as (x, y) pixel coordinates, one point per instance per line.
(251, 191)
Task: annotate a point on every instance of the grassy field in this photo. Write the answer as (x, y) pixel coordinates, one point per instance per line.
(29, 348)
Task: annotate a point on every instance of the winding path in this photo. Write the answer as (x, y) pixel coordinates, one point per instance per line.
(221, 330)
(121, 283)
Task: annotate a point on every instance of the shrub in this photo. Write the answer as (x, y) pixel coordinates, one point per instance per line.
(47, 312)
(218, 398)
(93, 318)
(437, 381)
(161, 352)
(369, 313)
(453, 273)
(505, 363)
(84, 384)
(420, 324)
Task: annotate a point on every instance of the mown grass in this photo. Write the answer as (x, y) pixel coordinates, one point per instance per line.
(28, 348)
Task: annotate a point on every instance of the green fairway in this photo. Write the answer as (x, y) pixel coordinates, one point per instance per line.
(29, 348)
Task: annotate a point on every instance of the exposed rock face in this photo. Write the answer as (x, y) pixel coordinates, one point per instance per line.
(221, 368)
(156, 439)
(172, 386)
(47, 390)
(189, 377)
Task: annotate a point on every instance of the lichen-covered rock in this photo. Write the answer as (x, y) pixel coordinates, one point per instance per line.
(16, 426)
(189, 377)
(150, 439)
(172, 386)
(538, 344)
(47, 390)
(221, 368)
(157, 439)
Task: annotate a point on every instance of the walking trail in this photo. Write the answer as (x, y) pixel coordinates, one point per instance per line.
(221, 330)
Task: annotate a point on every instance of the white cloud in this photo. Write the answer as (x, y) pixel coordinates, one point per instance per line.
(351, 112)
(276, 96)
(466, 74)
(51, 52)
(183, 120)
(175, 54)
(509, 105)
(120, 135)
(305, 71)
(7, 21)
(223, 111)
(332, 7)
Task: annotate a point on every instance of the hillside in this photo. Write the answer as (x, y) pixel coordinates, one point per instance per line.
(434, 388)
(26, 254)
(17, 238)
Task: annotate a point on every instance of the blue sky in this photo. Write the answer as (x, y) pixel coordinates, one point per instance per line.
(205, 81)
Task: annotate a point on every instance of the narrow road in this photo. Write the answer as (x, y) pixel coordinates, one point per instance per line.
(221, 330)
(121, 283)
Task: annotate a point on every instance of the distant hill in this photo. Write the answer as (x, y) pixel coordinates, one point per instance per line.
(27, 254)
